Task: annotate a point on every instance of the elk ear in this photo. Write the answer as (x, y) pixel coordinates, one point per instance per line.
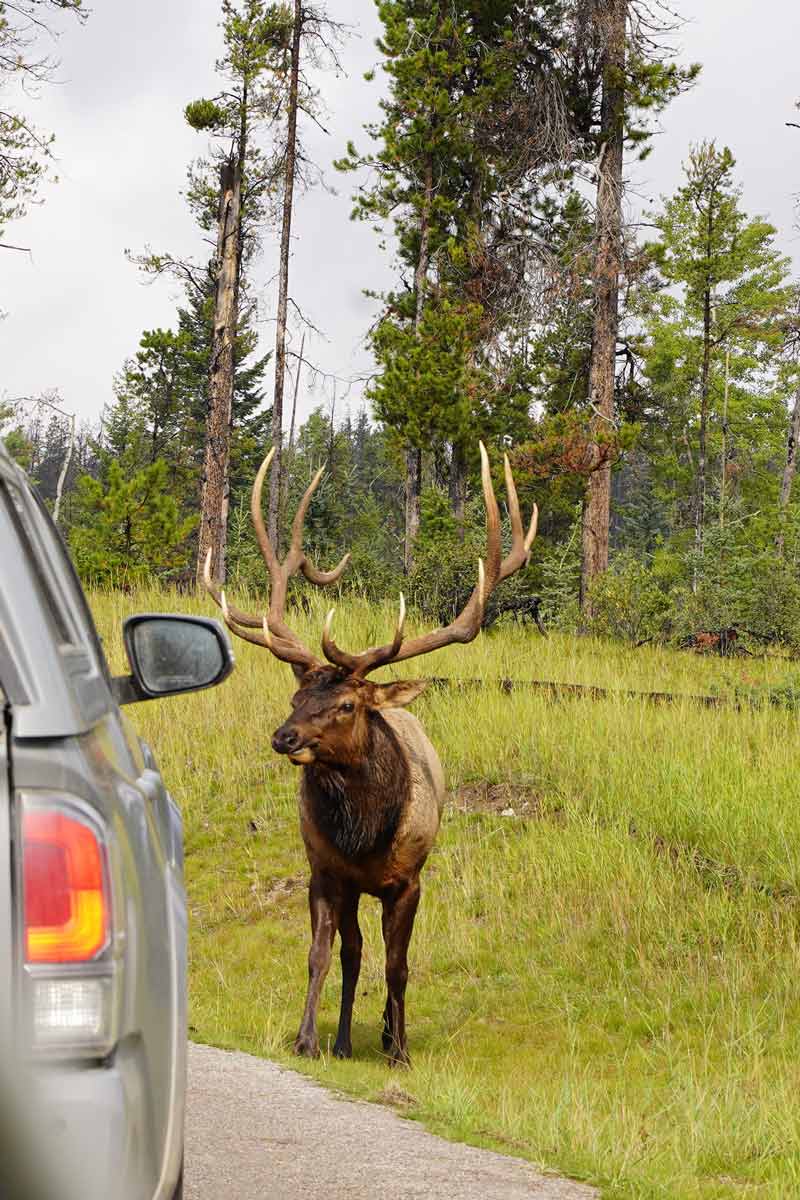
(397, 695)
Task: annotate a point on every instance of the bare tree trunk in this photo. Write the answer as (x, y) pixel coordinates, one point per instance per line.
(458, 485)
(332, 432)
(413, 455)
(64, 468)
(606, 272)
(287, 466)
(283, 279)
(215, 497)
(413, 488)
(791, 464)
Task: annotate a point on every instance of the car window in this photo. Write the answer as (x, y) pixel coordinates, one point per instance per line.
(20, 516)
(71, 586)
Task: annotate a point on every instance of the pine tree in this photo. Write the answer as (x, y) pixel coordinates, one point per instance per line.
(458, 146)
(130, 529)
(720, 316)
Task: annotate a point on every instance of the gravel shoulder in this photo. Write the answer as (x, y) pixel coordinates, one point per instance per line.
(255, 1131)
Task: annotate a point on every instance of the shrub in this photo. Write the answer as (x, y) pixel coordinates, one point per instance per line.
(628, 601)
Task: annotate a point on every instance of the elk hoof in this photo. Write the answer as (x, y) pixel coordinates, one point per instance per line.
(306, 1047)
(342, 1049)
(399, 1058)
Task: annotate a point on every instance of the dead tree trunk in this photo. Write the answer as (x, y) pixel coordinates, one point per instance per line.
(790, 466)
(216, 483)
(414, 455)
(606, 273)
(283, 278)
(458, 485)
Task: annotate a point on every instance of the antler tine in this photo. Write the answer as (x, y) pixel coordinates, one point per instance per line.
(249, 635)
(367, 660)
(312, 573)
(519, 554)
(239, 615)
(296, 545)
(265, 545)
(514, 513)
(466, 625)
(492, 520)
(286, 643)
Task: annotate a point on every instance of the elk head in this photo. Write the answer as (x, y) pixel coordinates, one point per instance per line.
(331, 709)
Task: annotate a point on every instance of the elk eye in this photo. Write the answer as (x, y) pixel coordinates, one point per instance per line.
(347, 707)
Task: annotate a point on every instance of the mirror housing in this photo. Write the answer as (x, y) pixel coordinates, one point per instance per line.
(170, 654)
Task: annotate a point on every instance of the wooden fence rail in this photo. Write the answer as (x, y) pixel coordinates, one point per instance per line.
(580, 691)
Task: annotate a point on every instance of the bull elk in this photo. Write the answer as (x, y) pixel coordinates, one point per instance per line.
(372, 786)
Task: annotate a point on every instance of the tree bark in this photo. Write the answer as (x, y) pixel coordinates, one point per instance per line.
(413, 455)
(606, 273)
(216, 469)
(458, 485)
(791, 464)
(283, 278)
(64, 468)
(791, 453)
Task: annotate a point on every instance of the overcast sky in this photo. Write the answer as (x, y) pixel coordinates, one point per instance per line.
(75, 308)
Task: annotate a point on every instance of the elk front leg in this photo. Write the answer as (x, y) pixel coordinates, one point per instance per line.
(323, 906)
(399, 911)
(352, 941)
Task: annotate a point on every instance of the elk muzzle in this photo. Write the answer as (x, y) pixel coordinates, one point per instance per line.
(287, 740)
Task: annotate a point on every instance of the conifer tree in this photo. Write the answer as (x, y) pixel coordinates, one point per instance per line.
(457, 142)
(720, 317)
(130, 528)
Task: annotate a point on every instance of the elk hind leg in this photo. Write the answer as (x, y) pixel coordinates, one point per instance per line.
(399, 911)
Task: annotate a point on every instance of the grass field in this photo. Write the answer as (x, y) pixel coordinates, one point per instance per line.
(606, 982)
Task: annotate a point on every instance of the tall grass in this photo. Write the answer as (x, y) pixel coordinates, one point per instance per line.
(607, 986)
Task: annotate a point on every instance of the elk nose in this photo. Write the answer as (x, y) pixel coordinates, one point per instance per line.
(285, 740)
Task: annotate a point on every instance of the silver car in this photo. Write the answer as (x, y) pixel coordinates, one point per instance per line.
(92, 906)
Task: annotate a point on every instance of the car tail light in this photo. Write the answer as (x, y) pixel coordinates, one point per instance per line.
(67, 927)
(66, 900)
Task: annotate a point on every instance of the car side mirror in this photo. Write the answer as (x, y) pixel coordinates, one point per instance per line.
(170, 654)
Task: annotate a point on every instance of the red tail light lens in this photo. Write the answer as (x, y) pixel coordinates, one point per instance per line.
(66, 901)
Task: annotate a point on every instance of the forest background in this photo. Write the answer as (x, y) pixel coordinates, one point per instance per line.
(641, 368)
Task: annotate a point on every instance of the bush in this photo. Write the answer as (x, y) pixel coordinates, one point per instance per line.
(628, 602)
(446, 563)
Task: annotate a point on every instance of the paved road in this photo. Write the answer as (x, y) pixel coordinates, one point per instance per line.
(255, 1131)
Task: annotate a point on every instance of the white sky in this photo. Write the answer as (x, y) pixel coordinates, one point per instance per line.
(75, 308)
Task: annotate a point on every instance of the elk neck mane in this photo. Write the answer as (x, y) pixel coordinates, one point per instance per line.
(358, 806)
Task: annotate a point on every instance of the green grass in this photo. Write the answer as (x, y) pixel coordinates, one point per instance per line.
(609, 988)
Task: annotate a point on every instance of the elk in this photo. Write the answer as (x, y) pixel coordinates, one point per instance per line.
(372, 787)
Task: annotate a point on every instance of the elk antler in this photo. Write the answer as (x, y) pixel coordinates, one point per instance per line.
(273, 632)
(466, 625)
